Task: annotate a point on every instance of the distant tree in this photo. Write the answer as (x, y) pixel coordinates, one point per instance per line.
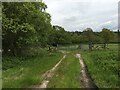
(115, 39)
(76, 38)
(88, 34)
(97, 37)
(107, 36)
(58, 35)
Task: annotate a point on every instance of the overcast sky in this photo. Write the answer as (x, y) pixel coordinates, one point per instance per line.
(76, 15)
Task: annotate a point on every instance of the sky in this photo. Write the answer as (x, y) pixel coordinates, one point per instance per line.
(76, 15)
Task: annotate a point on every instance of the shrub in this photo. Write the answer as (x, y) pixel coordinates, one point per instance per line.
(34, 51)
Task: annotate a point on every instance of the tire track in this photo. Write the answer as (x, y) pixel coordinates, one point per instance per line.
(86, 80)
(48, 75)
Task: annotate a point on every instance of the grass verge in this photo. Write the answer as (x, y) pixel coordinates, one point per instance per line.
(30, 71)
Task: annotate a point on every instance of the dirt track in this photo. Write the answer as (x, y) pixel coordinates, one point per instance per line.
(86, 80)
(48, 75)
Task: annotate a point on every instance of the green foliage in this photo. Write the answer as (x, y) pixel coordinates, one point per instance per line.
(24, 24)
(107, 35)
(103, 66)
(88, 33)
(34, 51)
(76, 39)
(27, 24)
(10, 62)
(30, 52)
(58, 36)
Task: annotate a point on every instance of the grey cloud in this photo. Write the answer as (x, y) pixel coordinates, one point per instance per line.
(78, 14)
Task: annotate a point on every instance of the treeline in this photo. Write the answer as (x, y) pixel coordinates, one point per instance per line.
(27, 24)
(104, 37)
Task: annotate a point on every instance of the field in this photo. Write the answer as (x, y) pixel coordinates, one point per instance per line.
(102, 66)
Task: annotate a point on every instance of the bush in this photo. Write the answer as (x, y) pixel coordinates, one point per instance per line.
(10, 62)
(13, 61)
(34, 51)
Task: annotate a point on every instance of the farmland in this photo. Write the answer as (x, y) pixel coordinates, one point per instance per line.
(102, 65)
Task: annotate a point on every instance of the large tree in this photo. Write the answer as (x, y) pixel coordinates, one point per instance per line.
(24, 24)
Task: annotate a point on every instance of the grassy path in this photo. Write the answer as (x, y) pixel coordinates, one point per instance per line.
(68, 74)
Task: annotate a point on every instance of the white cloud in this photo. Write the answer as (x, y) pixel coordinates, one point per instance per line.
(79, 14)
(106, 23)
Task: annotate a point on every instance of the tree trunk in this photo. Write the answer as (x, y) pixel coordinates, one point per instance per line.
(49, 48)
(90, 46)
(104, 46)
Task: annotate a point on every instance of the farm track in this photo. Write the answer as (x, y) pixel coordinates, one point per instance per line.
(86, 80)
(48, 75)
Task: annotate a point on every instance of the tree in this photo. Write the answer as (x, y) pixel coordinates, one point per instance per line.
(76, 39)
(89, 35)
(24, 24)
(107, 36)
(58, 35)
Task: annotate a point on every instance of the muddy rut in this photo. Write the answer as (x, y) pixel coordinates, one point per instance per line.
(86, 80)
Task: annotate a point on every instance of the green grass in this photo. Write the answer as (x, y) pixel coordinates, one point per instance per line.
(29, 72)
(103, 66)
(67, 75)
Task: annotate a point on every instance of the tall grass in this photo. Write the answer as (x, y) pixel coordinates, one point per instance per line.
(30, 71)
(103, 66)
